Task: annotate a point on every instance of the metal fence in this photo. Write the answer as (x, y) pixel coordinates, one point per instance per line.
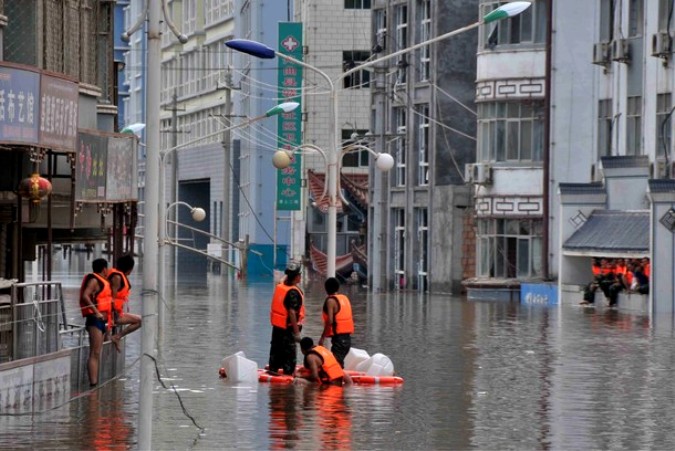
(32, 323)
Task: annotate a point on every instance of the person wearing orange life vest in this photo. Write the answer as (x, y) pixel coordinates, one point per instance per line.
(338, 323)
(96, 305)
(321, 365)
(120, 286)
(286, 315)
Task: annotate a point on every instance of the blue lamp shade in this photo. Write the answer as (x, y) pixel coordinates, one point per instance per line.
(251, 47)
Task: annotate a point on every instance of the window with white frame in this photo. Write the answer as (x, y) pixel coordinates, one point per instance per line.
(217, 10)
(509, 248)
(357, 159)
(605, 126)
(400, 118)
(663, 124)
(634, 125)
(527, 27)
(357, 4)
(607, 20)
(399, 242)
(189, 17)
(511, 131)
(635, 18)
(666, 11)
(422, 226)
(423, 145)
(380, 20)
(350, 60)
(424, 15)
(401, 17)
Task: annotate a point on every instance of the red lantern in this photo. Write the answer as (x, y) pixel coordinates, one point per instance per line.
(35, 188)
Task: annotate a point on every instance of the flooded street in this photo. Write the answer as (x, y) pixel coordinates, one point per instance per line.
(477, 376)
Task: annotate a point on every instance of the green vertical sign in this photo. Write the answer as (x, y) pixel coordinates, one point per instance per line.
(289, 180)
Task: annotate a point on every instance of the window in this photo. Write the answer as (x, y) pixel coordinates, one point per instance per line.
(665, 14)
(423, 145)
(350, 60)
(527, 27)
(189, 17)
(424, 14)
(354, 159)
(401, 14)
(634, 125)
(509, 248)
(607, 20)
(380, 30)
(400, 123)
(399, 243)
(663, 124)
(511, 131)
(635, 18)
(217, 10)
(605, 125)
(357, 4)
(422, 226)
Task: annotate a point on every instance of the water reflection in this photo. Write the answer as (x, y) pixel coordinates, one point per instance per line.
(478, 376)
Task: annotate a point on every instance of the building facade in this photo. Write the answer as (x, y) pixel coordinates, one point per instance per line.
(58, 116)
(423, 113)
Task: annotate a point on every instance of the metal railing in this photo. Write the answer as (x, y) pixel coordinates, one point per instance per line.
(34, 322)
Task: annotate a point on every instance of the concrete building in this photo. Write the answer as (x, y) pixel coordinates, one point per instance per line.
(563, 168)
(336, 38)
(423, 113)
(509, 199)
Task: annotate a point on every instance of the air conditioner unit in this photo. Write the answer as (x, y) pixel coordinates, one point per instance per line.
(658, 169)
(601, 53)
(482, 174)
(621, 50)
(468, 173)
(661, 44)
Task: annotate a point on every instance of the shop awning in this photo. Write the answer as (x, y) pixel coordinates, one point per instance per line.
(611, 233)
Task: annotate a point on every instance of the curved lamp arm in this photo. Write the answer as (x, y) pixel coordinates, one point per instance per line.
(198, 214)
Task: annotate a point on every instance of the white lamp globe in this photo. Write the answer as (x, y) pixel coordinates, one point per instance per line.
(384, 162)
(198, 214)
(281, 159)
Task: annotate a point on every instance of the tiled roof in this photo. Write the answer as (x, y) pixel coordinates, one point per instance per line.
(612, 231)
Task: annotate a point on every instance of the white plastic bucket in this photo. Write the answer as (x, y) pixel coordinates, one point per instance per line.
(354, 357)
(240, 369)
(377, 365)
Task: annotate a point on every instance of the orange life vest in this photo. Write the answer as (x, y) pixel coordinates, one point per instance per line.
(330, 366)
(344, 323)
(122, 296)
(596, 270)
(103, 297)
(647, 269)
(278, 312)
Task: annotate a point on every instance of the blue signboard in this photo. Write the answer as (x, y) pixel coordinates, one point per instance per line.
(19, 102)
(539, 294)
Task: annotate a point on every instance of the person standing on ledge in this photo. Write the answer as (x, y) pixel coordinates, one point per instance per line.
(96, 305)
(338, 323)
(120, 286)
(286, 315)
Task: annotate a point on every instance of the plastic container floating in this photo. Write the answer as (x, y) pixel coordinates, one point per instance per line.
(378, 365)
(357, 378)
(354, 357)
(237, 368)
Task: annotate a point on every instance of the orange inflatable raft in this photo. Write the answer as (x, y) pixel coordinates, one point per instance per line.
(357, 377)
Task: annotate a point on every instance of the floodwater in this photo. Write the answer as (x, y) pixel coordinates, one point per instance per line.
(478, 376)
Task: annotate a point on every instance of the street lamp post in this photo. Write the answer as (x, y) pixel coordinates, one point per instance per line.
(285, 107)
(260, 50)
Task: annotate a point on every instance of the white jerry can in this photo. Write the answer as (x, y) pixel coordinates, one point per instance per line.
(237, 368)
(377, 365)
(354, 357)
